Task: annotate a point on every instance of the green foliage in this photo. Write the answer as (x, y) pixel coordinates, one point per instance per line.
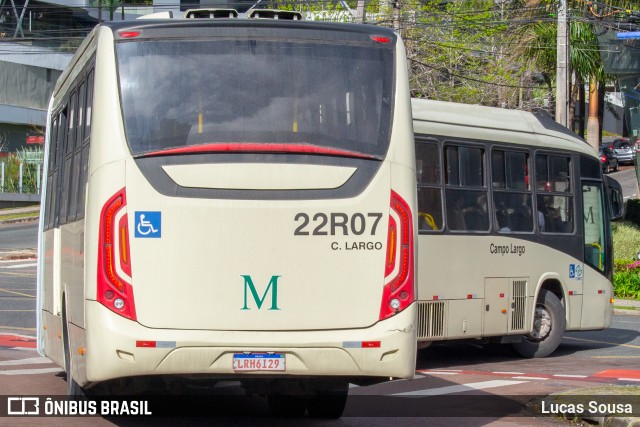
(626, 240)
(459, 51)
(29, 171)
(626, 268)
(626, 284)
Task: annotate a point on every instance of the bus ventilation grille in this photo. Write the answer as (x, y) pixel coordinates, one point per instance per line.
(431, 319)
(519, 305)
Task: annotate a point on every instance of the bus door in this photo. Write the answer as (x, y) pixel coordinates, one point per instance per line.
(596, 290)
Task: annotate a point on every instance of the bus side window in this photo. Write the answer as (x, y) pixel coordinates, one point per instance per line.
(429, 186)
(554, 194)
(466, 194)
(512, 198)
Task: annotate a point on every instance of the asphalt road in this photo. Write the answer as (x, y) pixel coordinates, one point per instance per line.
(22, 235)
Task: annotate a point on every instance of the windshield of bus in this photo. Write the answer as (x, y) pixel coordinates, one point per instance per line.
(178, 93)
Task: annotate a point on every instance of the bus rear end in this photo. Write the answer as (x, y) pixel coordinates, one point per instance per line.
(253, 206)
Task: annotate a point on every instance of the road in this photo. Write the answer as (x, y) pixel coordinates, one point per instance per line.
(626, 176)
(455, 383)
(18, 236)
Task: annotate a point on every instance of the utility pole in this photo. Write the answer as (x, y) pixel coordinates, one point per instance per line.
(396, 15)
(562, 66)
(361, 7)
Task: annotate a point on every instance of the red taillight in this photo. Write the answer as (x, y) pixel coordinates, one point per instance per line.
(381, 39)
(398, 292)
(114, 262)
(129, 34)
(603, 159)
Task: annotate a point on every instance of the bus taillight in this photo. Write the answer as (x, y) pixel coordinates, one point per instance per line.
(398, 290)
(114, 263)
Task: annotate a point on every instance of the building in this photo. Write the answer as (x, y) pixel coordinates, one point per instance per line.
(37, 40)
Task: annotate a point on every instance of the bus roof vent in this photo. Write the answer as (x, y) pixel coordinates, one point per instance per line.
(290, 15)
(211, 13)
(158, 15)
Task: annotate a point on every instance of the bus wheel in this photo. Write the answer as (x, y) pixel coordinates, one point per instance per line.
(548, 327)
(288, 406)
(329, 404)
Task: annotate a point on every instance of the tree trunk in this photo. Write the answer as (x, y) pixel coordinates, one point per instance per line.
(581, 108)
(593, 124)
(573, 96)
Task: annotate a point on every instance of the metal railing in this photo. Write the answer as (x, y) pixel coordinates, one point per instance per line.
(21, 172)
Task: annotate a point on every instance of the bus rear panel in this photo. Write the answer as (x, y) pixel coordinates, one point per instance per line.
(250, 206)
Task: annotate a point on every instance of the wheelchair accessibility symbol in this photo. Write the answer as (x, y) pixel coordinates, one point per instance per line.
(148, 224)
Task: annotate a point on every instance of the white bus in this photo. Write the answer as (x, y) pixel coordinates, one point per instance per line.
(514, 239)
(231, 198)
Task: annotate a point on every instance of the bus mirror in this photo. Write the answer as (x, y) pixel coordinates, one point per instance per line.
(616, 200)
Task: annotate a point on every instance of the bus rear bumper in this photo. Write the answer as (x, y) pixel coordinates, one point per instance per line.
(117, 347)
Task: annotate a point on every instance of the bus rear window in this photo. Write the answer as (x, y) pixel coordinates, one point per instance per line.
(178, 93)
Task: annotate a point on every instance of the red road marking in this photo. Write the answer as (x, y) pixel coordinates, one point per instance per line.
(17, 341)
(619, 373)
(603, 376)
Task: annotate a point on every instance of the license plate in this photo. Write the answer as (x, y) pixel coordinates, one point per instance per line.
(258, 362)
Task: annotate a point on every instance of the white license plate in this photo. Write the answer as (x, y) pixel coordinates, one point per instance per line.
(258, 362)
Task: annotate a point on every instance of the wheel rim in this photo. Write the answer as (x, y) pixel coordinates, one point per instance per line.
(541, 324)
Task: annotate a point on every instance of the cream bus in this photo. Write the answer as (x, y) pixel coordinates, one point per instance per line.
(514, 240)
(231, 198)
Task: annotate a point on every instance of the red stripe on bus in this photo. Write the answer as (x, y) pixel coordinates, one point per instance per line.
(240, 147)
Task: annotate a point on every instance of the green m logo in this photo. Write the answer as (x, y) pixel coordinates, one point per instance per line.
(273, 285)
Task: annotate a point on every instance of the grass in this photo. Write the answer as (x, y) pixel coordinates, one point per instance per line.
(14, 216)
(624, 307)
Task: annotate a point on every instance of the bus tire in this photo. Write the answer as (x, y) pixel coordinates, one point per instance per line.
(329, 404)
(286, 405)
(548, 327)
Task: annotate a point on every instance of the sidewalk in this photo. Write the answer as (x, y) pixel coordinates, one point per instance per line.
(626, 306)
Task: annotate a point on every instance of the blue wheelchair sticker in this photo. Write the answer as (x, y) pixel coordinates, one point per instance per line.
(148, 224)
(575, 271)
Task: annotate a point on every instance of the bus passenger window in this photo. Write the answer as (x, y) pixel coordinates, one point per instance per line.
(555, 214)
(429, 209)
(553, 173)
(429, 186)
(554, 194)
(467, 210)
(511, 191)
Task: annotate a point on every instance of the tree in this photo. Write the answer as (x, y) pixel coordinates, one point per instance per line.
(459, 51)
(539, 46)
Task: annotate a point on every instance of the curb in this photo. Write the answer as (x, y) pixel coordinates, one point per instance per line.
(613, 421)
(19, 254)
(622, 312)
(18, 220)
(32, 214)
(626, 307)
(572, 401)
